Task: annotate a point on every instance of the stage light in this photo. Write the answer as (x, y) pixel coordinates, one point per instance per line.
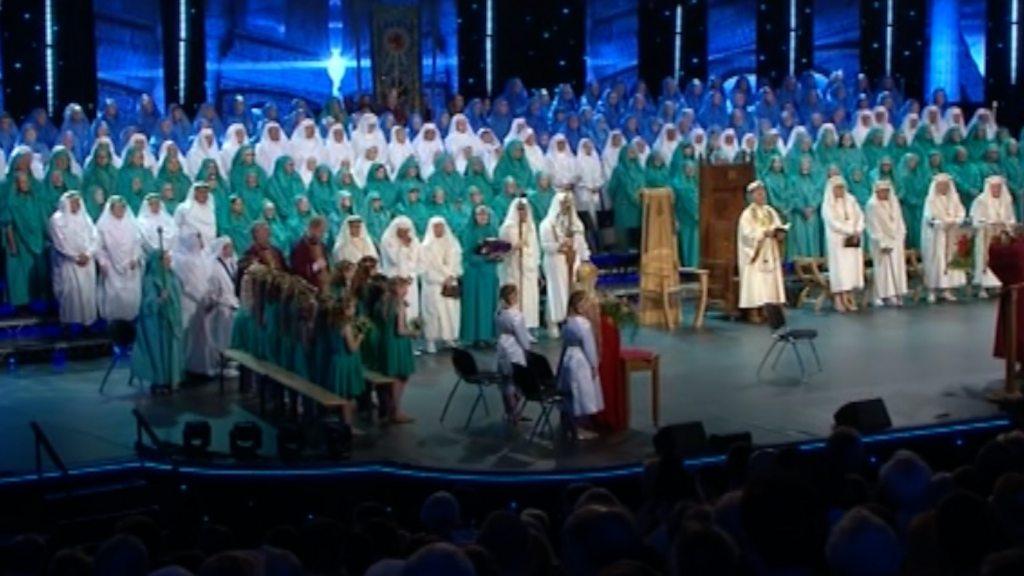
(196, 437)
(489, 45)
(290, 441)
(1014, 36)
(889, 19)
(182, 48)
(337, 439)
(678, 52)
(792, 37)
(51, 85)
(246, 439)
(335, 70)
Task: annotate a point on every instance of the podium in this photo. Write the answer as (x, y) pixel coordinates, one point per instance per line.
(722, 200)
(659, 260)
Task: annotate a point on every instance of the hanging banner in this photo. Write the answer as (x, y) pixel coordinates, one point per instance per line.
(396, 53)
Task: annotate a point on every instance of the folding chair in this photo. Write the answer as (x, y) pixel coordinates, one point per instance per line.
(467, 371)
(534, 390)
(784, 337)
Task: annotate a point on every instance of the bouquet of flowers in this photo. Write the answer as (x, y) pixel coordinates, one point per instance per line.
(961, 243)
(621, 312)
(494, 248)
(363, 325)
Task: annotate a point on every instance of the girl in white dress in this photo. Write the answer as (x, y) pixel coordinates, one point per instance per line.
(513, 342)
(578, 375)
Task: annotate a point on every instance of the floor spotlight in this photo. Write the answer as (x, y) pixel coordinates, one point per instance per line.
(196, 436)
(246, 440)
(290, 441)
(338, 439)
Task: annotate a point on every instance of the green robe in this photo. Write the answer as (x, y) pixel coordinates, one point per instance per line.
(239, 169)
(804, 238)
(220, 190)
(158, 356)
(345, 374)
(284, 186)
(976, 142)
(98, 184)
(476, 175)
(850, 158)
(237, 227)
(27, 273)
(624, 189)
(395, 349)
(452, 183)
(912, 187)
(1014, 170)
(479, 285)
(687, 193)
(540, 200)
(134, 182)
(383, 186)
(657, 174)
(517, 168)
(376, 220)
(253, 198)
(181, 184)
(51, 191)
(874, 148)
(323, 193)
(967, 178)
(280, 235)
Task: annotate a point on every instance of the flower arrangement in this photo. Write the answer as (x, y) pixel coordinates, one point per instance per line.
(363, 325)
(621, 313)
(962, 257)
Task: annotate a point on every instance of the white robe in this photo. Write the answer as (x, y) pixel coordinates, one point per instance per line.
(441, 259)
(225, 304)
(556, 268)
(74, 286)
(193, 267)
(399, 260)
(200, 151)
(989, 215)
(759, 260)
(338, 152)
(301, 148)
(843, 218)
(941, 212)
(577, 371)
(267, 150)
(202, 218)
(887, 232)
(513, 340)
(561, 166)
(352, 249)
(509, 268)
(120, 286)
(590, 182)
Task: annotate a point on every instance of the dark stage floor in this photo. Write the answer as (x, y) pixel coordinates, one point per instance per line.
(930, 364)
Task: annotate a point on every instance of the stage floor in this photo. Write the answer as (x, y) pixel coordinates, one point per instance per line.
(930, 364)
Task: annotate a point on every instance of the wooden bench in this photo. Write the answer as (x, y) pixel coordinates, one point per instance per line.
(278, 381)
(698, 287)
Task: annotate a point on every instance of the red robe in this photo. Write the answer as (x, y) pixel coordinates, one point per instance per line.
(614, 417)
(1007, 262)
(304, 255)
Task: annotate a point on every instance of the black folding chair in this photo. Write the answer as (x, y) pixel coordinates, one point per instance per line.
(784, 337)
(467, 371)
(536, 383)
(122, 335)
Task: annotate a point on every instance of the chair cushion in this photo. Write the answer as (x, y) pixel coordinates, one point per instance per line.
(637, 354)
(801, 334)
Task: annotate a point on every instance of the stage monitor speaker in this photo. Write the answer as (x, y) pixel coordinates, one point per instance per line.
(864, 416)
(680, 440)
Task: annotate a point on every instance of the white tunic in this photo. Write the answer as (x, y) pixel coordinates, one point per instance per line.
(401, 260)
(269, 150)
(441, 259)
(522, 271)
(553, 233)
(941, 213)
(513, 340)
(225, 304)
(759, 261)
(193, 267)
(887, 232)
(120, 247)
(191, 215)
(352, 248)
(989, 215)
(843, 218)
(577, 371)
(74, 285)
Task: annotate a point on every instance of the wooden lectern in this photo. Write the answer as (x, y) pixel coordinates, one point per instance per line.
(722, 200)
(659, 260)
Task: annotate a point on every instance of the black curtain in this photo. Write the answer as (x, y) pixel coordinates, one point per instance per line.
(195, 53)
(75, 55)
(472, 15)
(695, 39)
(908, 49)
(773, 46)
(656, 41)
(540, 41)
(22, 31)
(999, 84)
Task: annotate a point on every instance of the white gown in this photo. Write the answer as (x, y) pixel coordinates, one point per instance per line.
(577, 371)
(193, 267)
(225, 304)
(887, 231)
(556, 268)
(509, 268)
(441, 259)
(941, 212)
(759, 262)
(843, 218)
(74, 286)
(988, 214)
(403, 261)
(120, 286)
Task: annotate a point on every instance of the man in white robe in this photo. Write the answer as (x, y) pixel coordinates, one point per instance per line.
(521, 265)
(844, 231)
(156, 225)
(942, 213)
(400, 257)
(197, 212)
(272, 145)
(560, 164)
(74, 271)
(562, 237)
(305, 143)
(223, 303)
(120, 260)
(193, 267)
(352, 243)
(887, 233)
(204, 147)
(991, 214)
(758, 236)
(441, 258)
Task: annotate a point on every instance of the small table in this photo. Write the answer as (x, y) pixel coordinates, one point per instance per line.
(641, 360)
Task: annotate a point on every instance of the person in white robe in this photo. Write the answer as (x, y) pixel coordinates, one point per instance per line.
(204, 146)
(223, 303)
(514, 340)
(562, 236)
(75, 243)
(306, 169)
(532, 151)
(193, 268)
(590, 186)
(490, 149)
(984, 121)
(235, 137)
(560, 164)
(338, 149)
(120, 260)
(400, 257)
(99, 141)
(352, 243)
(699, 141)
(909, 127)
(368, 133)
(305, 144)
(399, 149)
(992, 213)
(954, 118)
(667, 141)
(758, 236)
(864, 123)
(887, 233)
(156, 225)
(168, 150)
(441, 265)
(516, 130)
(844, 230)
(578, 375)
(942, 213)
(138, 141)
(880, 114)
(364, 163)
(610, 152)
(728, 146)
(521, 266)
(932, 116)
(272, 145)
(428, 146)
(197, 212)
(643, 151)
(460, 137)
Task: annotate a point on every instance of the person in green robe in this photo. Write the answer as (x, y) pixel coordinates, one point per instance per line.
(409, 174)
(951, 140)
(24, 221)
(323, 193)
(235, 224)
(284, 186)
(437, 205)
(172, 174)
(859, 185)
(977, 141)
(513, 163)
(767, 150)
(134, 180)
(413, 207)
(280, 234)
(446, 176)
(912, 181)
(874, 147)
(59, 177)
(375, 216)
(302, 213)
(924, 142)
(801, 146)
(540, 196)
(510, 190)
(657, 174)
(220, 190)
(1014, 170)
(476, 175)
(687, 192)
(252, 191)
(883, 171)
(684, 153)
(624, 189)
(99, 181)
(804, 238)
(936, 164)
(849, 154)
(243, 163)
(965, 175)
(344, 181)
(396, 357)
(826, 147)
(479, 280)
(158, 355)
(345, 373)
(991, 164)
(377, 180)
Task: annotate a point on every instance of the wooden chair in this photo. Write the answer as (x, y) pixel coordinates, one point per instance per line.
(641, 360)
(814, 280)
